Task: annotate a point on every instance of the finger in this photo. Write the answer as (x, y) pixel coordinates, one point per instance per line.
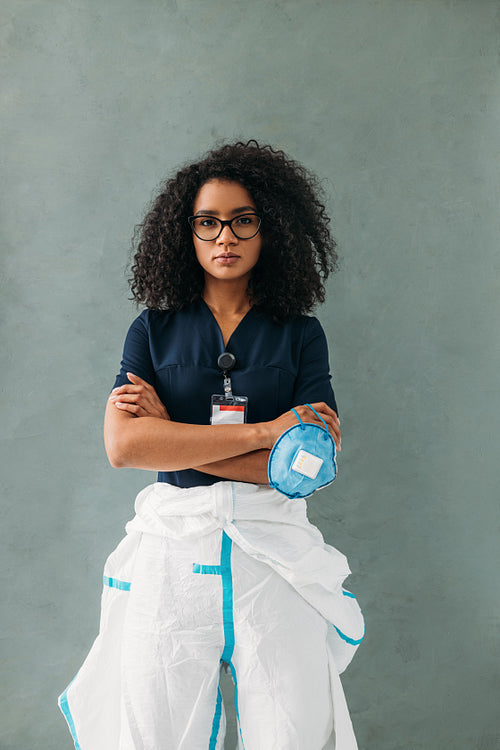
(132, 408)
(137, 380)
(131, 398)
(319, 413)
(335, 433)
(338, 440)
(145, 407)
(124, 390)
(333, 424)
(140, 399)
(330, 418)
(325, 409)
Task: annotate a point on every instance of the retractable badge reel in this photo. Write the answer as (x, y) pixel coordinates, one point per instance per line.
(302, 459)
(226, 408)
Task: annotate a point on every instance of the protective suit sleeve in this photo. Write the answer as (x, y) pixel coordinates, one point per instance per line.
(314, 380)
(136, 353)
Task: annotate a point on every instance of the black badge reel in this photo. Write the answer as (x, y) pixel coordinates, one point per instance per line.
(227, 408)
(302, 459)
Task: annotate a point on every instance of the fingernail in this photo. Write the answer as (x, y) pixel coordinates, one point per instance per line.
(112, 398)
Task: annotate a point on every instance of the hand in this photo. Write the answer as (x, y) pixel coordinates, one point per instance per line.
(140, 399)
(278, 426)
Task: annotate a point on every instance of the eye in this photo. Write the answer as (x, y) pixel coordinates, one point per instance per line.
(245, 220)
(206, 222)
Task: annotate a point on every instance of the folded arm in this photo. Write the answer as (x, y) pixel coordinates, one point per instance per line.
(250, 467)
(162, 445)
(138, 433)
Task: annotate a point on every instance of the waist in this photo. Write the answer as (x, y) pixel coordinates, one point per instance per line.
(169, 510)
(187, 478)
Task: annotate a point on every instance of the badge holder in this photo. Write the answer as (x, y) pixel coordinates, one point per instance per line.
(227, 408)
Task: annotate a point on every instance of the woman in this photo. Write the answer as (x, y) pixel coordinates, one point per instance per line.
(216, 568)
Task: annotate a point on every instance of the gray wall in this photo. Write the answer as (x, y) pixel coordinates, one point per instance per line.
(396, 105)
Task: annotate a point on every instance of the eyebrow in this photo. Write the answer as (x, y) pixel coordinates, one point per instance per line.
(235, 211)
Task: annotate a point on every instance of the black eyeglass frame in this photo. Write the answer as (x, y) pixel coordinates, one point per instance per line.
(223, 224)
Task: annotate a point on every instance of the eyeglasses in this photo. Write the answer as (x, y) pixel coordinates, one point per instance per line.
(243, 227)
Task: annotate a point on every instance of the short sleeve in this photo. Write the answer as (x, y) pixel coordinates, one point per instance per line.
(136, 353)
(313, 381)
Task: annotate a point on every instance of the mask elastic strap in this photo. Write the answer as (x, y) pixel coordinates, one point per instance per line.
(321, 418)
(297, 415)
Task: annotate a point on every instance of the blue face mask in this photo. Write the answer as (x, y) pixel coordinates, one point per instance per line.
(302, 459)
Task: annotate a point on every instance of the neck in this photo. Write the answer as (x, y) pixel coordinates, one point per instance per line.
(227, 298)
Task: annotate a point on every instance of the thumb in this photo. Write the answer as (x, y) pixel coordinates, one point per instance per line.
(135, 378)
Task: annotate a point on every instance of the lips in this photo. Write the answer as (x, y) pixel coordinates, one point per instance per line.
(227, 259)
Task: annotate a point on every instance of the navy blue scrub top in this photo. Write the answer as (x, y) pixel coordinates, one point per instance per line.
(278, 366)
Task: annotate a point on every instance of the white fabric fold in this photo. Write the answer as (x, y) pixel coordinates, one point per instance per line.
(269, 528)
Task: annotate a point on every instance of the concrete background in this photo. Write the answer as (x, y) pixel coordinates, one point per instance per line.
(396, 106)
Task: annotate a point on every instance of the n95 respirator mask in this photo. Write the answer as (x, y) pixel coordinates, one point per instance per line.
(302, 459)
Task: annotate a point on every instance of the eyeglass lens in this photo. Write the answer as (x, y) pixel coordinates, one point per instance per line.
(209, 228)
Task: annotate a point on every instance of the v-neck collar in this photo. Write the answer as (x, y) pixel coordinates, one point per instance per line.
(221, 338)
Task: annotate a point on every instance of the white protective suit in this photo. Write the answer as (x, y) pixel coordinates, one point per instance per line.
(232, 572)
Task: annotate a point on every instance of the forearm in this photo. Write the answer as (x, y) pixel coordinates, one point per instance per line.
(251, 467)
(162, 445)
(156, 443)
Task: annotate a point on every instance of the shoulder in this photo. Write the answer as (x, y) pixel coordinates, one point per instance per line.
(310, 338)
(298, 329)
(305, 327)
(299, 337)
(309, 323)
(153, 320)
(294, 323)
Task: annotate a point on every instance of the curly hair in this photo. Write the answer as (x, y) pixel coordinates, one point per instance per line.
(298, 252)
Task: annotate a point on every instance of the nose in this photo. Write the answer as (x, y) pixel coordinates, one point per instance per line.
(227, 237)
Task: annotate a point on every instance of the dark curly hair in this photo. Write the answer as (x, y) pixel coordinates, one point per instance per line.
(297, 253)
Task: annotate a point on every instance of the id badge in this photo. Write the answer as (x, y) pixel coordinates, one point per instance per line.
(232, 410)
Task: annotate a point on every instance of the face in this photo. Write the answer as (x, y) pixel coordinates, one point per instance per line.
(227, 258)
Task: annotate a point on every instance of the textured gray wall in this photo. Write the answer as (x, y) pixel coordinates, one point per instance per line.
(396, 105)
